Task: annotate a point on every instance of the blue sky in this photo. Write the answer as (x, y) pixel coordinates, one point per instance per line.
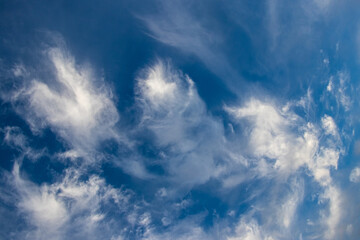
(179, 120)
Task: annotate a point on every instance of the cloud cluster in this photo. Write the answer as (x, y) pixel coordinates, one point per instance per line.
(268, 142)
(282, 144)
(81, 204)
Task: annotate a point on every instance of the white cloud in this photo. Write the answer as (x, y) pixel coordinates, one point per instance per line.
(14, 137)
(329, 87)
(46, 213)
(329, 125)
(342, 94)
(355, 175)
(72, 102)
(156, 88)
(69, 206)
(162, 88)
(189, 137)
(272, 135)
(341, 89)
(280, 135)
(334, 216)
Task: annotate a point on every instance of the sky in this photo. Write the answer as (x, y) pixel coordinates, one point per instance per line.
(189, 120)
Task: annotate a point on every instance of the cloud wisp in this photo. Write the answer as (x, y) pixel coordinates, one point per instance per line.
(175, 25)
(71, 102)
(189, 138)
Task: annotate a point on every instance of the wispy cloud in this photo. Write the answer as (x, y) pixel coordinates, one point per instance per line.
(189, 138)
(340, 88)
(355, 175)
(175, 24)
(72, 102)
(77, 205)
